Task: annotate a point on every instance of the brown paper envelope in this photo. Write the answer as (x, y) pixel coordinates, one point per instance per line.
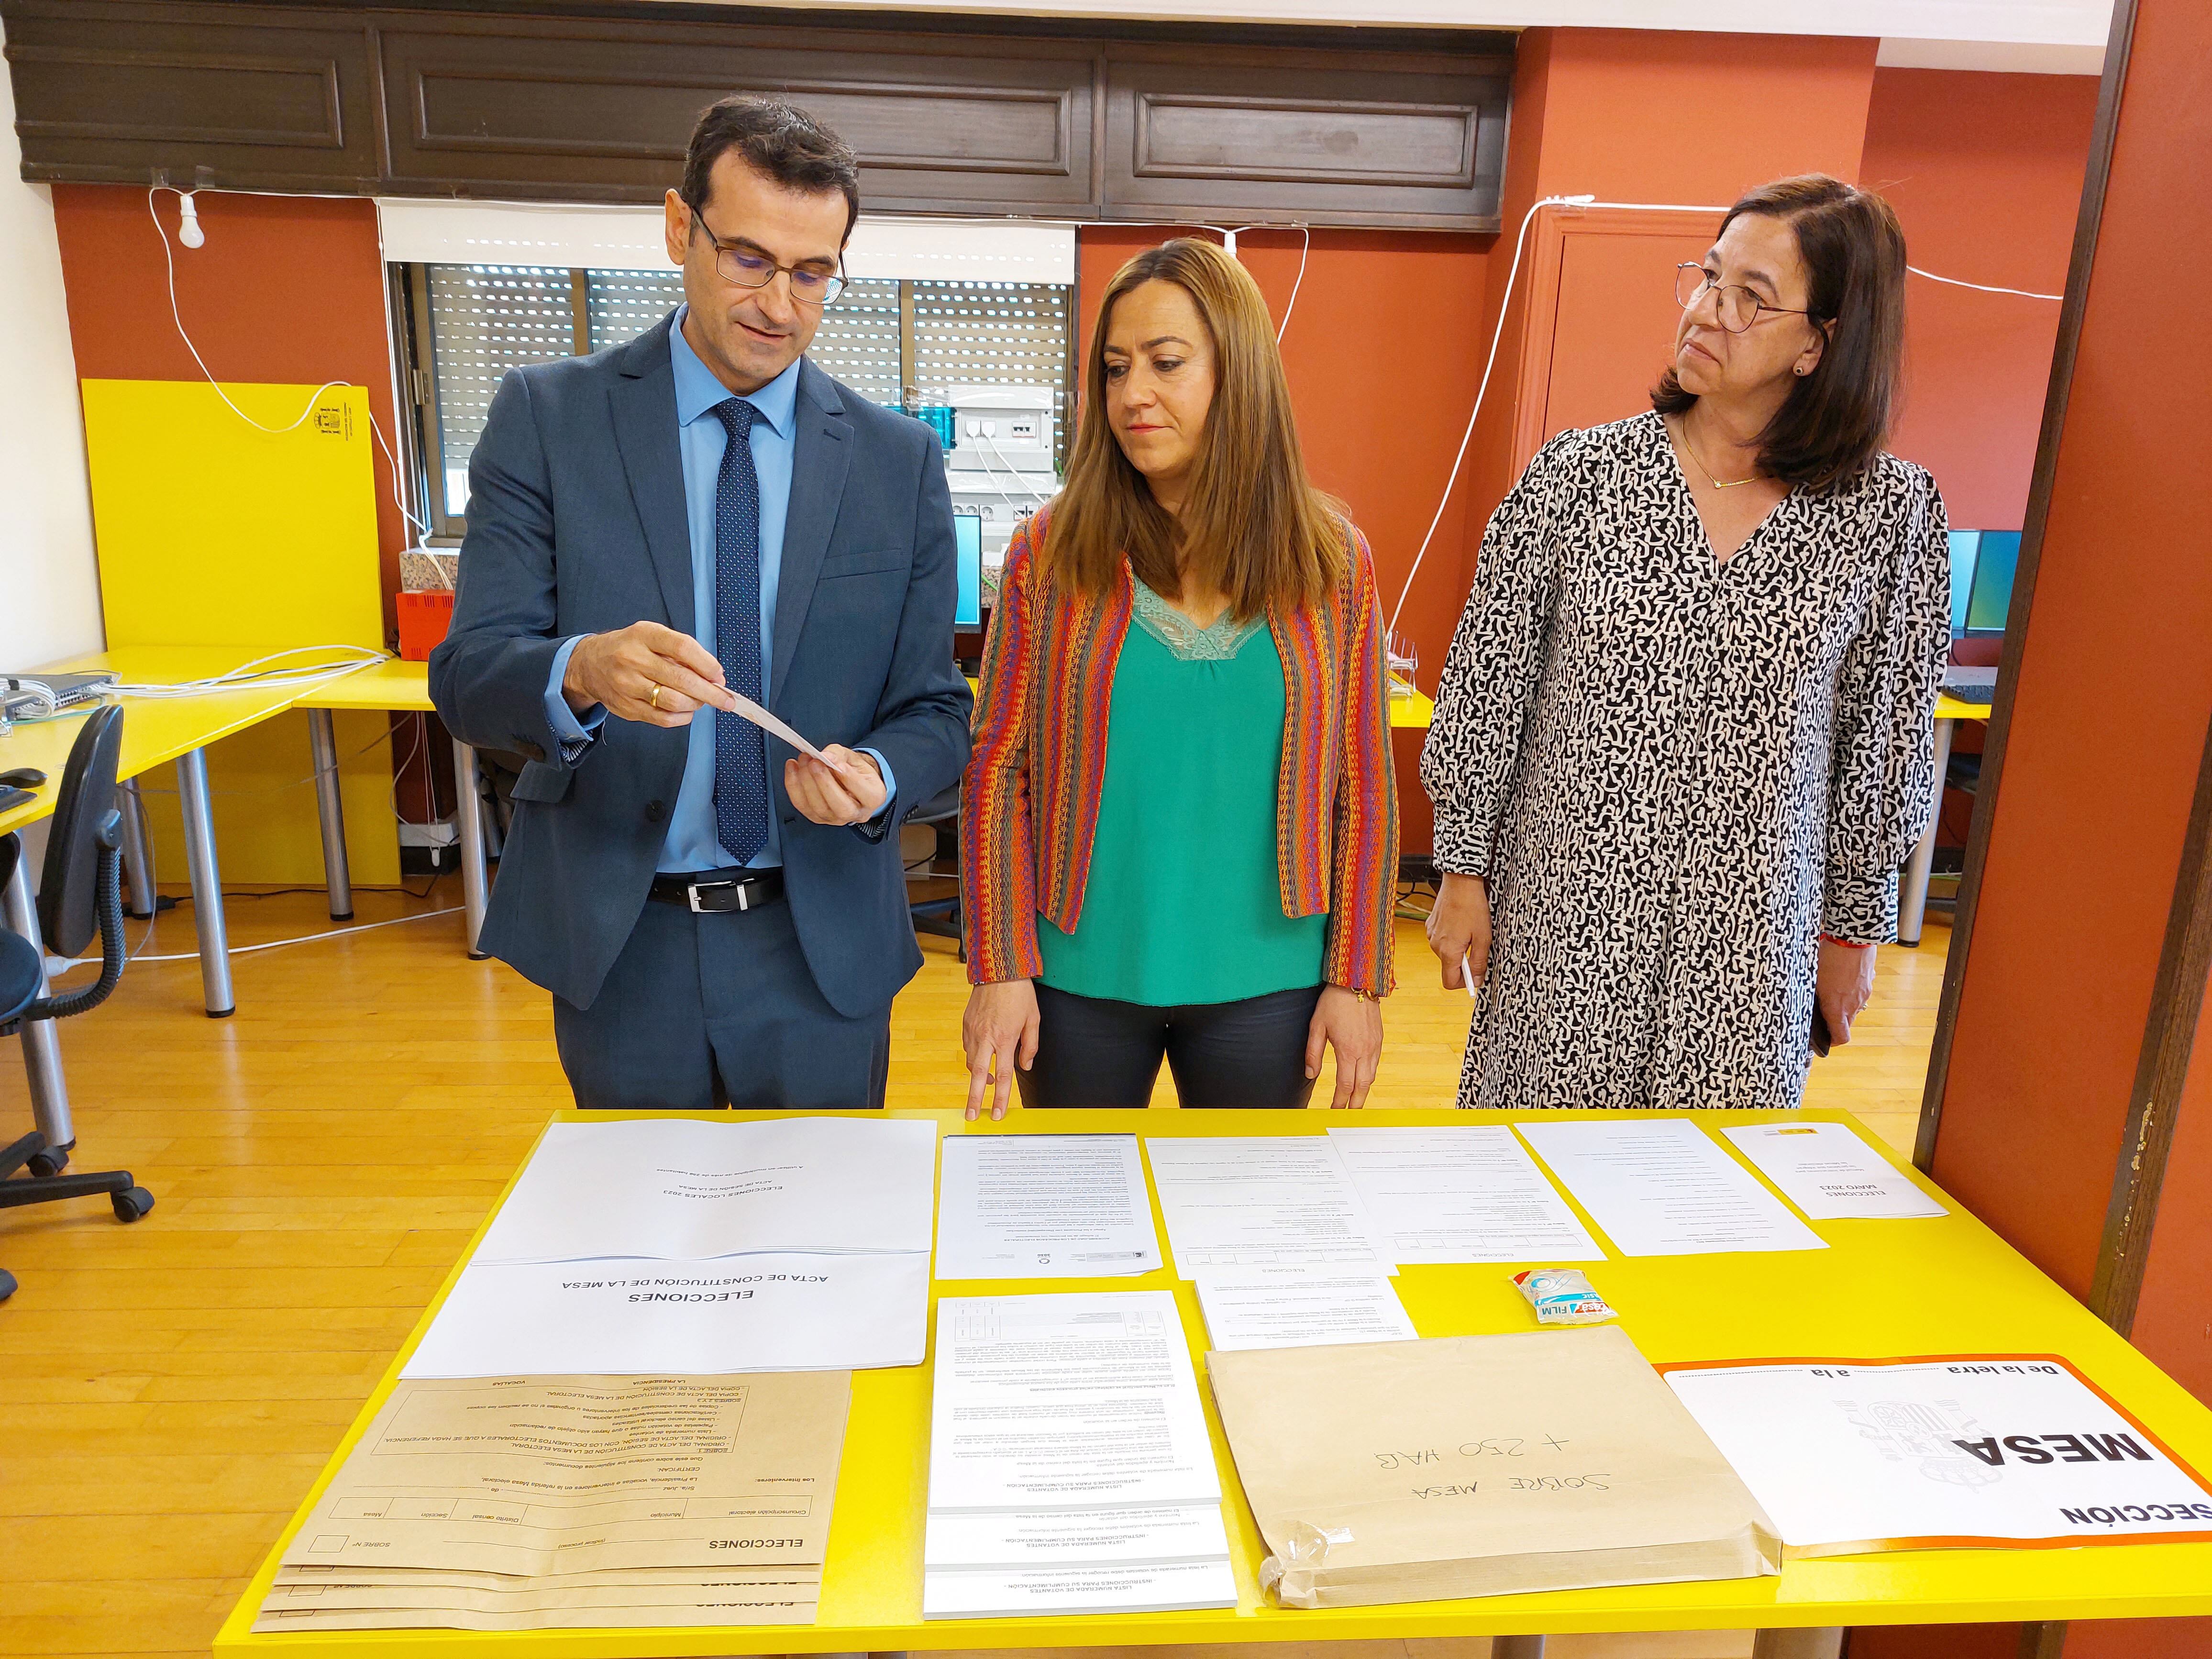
(706, 1613)
(1477, 1465)
(527, 1475)
(417, 1596)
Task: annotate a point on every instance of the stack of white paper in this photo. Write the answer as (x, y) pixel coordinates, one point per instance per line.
(1662, 1186)
(1469, 1193)
(683, 1190)
(1302, 1311)
(1831, 1174)
(1979, 1451)
(1043, 1206)
(1070, 1469)
(1234, 1202)
(650, 1245)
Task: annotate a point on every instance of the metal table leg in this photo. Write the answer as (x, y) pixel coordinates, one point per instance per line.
(207, 884)
(1912, 895)
(468, 819)
(330, 806)
(42, 1045)
(137, 864)
(1517, 1647)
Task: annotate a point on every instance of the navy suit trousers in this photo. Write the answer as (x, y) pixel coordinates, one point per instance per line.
(706, 1010)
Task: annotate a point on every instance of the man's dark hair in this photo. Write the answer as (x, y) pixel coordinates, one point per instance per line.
(1832, 424)
(778, 141)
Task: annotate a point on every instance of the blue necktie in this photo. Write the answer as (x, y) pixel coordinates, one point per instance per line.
(741, 752)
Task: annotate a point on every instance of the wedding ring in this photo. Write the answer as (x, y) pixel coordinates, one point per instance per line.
(655, 698)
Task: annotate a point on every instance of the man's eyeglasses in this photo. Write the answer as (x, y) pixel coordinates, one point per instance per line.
(747, 267)
(1738, 306)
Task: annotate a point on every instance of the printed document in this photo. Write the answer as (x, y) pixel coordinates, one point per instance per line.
(1466, 1194)
(1662, 1186)
(1832, 1175)
(1056, 1538)
(628, 1316)
(1977, 1452)
(535, 1475)
(1067, 1402)
(684, 1190)
(1070, 1470)
(1262, 1201)
(1036, 1592)
(1279, 1313)
(1043, 1206)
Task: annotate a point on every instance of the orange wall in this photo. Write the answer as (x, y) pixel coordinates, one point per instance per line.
(1646, 115)
(1637, 116)
(1985, 173)
(2098, 778)
(287, 289)
(1383, 353)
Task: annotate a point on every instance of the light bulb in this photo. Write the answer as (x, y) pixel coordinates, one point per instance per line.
(188, 227)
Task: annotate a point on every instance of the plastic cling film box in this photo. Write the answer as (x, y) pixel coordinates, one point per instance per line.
(1563, 1296)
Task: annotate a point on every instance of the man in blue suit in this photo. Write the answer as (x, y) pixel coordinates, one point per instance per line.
(654, 531)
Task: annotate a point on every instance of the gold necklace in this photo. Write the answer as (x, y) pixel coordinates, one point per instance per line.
(1733, 483)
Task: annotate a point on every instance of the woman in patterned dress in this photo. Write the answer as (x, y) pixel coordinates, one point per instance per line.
(1684, 738)
(1179, 831)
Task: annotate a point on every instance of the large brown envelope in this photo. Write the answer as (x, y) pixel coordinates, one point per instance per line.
(1478, 1466)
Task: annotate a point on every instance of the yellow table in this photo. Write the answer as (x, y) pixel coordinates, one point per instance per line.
(389, 685)
(1912, 891)
(1883, 1289)
(154, 730)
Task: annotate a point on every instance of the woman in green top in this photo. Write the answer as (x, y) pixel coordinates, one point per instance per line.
(1179, 828)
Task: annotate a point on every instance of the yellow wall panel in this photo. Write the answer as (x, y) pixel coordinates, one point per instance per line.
(213, 532)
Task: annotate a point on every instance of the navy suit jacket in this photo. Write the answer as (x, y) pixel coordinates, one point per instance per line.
(576, 525)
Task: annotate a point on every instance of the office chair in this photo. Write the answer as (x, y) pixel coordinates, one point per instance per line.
(82, 890)
(940, 916)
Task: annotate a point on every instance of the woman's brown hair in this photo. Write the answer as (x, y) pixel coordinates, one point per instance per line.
(1250, 526)
(1833, 425)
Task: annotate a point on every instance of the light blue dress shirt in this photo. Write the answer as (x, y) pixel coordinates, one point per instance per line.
(702, 438)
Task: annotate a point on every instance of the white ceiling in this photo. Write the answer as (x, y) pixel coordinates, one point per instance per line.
(2043, 36)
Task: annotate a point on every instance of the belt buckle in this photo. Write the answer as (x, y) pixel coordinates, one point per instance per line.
(694, 889)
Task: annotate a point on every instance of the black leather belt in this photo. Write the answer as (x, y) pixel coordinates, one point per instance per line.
(714, 891)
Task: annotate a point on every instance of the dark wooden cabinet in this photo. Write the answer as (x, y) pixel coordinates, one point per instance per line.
(1316, 126)
(193, 91)
(1324, 138)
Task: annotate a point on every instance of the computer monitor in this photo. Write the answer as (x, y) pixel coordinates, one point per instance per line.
(968, 563)
(1965, 545)
(1989, 600)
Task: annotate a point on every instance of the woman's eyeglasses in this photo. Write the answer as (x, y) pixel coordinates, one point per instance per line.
(746, 267)
(1737, 306)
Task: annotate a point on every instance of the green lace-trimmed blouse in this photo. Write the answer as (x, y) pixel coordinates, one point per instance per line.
(1183, 904)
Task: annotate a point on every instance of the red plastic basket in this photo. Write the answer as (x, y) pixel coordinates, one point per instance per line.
(423, 619)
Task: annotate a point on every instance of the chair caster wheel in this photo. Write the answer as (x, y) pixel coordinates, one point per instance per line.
(7, 1285)
(130, 1206)
(48, 1163)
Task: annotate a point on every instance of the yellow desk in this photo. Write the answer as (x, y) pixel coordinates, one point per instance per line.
(1411, 712)
(390, 685)
(1883, 1289)
(1912, 891)
(154, 730)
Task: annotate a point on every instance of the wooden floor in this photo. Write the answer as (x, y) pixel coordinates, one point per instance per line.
(169, 1391)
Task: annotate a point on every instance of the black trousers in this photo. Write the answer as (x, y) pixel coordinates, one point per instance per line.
(700, 1011)
(1092, 1052)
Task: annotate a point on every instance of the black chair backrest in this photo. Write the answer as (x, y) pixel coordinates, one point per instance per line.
(85, 816)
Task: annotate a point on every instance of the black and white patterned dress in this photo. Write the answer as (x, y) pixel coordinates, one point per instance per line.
(1678, 772)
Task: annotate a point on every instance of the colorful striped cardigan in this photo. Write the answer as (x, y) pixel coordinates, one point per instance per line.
(1029, 802)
